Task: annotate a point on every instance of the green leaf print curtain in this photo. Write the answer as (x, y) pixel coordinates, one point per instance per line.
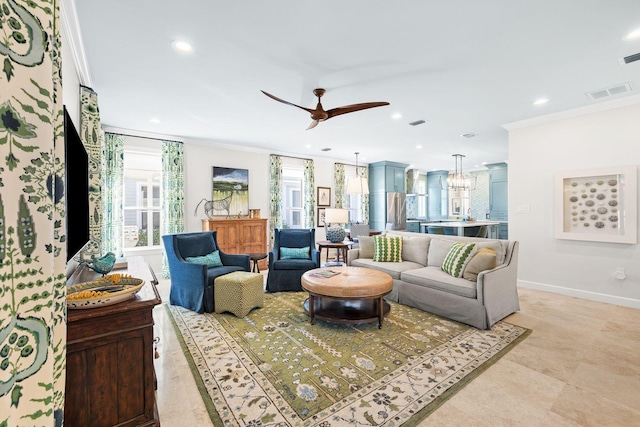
(112, 198)
(308, 194)
(172, 193)
(363, 171)
(339, 185)
(91, 136)
(32, 216)
(275, 191)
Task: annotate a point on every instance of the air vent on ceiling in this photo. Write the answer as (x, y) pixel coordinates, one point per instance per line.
(469, 135)
(417, 122)
(628, 59)
(325, 149)
(610, 91)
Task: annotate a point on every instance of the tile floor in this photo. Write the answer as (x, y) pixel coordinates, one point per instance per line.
(579, 367)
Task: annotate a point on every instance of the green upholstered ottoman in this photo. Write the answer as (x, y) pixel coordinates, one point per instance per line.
(238, 292)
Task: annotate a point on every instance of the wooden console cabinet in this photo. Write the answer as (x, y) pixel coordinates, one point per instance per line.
(110, 373)
(240, 236)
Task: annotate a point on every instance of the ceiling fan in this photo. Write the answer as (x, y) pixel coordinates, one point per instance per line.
(320, 115)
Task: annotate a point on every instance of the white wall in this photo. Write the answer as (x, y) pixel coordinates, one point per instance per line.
(200, 157)
(601, 136)
(70, 79)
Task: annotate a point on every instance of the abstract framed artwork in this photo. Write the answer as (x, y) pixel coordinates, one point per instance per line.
(320, 217)
(598, 205)
(230, 195)
(324, 196)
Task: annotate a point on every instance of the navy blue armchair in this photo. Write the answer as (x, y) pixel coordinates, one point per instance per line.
(192, 284)
(285, 273)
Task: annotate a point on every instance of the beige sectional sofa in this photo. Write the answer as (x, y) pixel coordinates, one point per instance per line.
(419, 281)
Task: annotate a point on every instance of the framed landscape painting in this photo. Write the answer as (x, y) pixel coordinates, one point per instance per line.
(597, 205)
(230, 195)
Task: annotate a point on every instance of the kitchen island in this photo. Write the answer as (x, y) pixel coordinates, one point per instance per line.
(459, 226)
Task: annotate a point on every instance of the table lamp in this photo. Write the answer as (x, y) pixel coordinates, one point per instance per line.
(335, 217)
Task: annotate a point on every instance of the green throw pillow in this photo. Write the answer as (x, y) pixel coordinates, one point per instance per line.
(211, 260)
(295, 253)
(458, 257)
(387, 249)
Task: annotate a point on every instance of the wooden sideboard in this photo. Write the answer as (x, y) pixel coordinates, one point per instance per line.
(240, 236)
(110, 373)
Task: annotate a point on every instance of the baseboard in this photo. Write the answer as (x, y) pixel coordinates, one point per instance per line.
(592, 296)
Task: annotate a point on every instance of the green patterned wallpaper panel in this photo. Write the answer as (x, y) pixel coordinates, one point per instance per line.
(32, 234)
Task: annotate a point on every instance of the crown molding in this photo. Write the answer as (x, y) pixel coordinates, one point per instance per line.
(71, 27)
(575, 112)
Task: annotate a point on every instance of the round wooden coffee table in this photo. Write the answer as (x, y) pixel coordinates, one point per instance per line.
(355, 295)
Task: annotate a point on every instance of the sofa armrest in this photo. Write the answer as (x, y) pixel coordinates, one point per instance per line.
(498, 290)
(315, 256)
(183, 271)
(240, 260)
(352, 254)
(273, 257)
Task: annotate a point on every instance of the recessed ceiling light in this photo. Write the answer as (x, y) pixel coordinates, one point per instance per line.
(540, 101)
(308, 146)
(633, 35)
(396, 116)
(418, 146)
(155, 120)
(484, 163)
(182, 46)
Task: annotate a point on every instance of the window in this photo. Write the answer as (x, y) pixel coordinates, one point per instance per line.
(353, 202)
(292, 177)
(142, 199)
(458, 202)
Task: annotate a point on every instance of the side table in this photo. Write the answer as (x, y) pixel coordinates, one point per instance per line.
(342, 248)
(255, 257)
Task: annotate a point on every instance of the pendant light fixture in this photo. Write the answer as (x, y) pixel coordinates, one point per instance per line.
(457, 180)
(359, 184)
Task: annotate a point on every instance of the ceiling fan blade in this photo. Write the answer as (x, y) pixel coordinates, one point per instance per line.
(287, 102)
(355, 107)
(313, 124)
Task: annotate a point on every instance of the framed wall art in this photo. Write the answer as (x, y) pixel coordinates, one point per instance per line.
(230, 195)
(324, 196)
(597, 205)
(320, 217)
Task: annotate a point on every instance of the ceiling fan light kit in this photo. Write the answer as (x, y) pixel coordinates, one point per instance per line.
(319, 114)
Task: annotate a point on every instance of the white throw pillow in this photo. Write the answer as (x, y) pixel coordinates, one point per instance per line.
(438, 250)
(365, 245)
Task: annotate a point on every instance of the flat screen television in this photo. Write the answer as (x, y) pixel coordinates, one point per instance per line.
(76, 190)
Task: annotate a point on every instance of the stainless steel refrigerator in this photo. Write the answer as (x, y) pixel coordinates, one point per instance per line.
(396, 211)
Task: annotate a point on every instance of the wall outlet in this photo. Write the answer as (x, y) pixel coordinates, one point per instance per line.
(619, 273)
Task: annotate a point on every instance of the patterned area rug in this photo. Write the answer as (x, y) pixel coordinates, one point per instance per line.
(273, 368)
